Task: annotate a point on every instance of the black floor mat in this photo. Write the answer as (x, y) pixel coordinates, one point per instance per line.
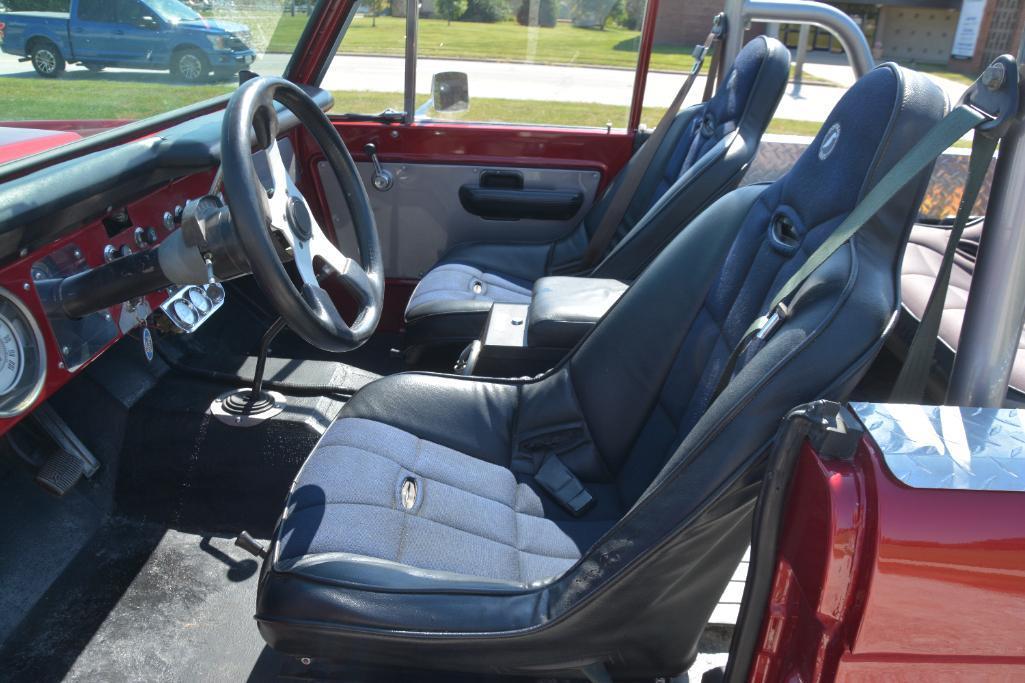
(148, 604)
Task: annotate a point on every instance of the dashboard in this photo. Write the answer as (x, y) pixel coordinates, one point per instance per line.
(79, 215)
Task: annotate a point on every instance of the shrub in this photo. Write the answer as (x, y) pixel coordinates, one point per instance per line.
(595, 13)
(450, 9)
(546, 14)
(485, 11)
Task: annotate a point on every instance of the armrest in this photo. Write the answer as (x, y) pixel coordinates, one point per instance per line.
(564, 309)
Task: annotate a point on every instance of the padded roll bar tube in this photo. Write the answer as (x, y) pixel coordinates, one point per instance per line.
(846, 30)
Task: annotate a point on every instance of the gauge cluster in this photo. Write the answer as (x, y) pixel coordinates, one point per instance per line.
(22, 356)
(186, 308)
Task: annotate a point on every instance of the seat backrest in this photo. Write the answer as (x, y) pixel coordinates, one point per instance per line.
(684, 461)
(702, 157)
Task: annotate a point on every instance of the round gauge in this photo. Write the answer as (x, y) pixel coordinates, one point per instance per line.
(216, 292)
(185, 313)
(11, 352)
(199, 299)
(22, 356)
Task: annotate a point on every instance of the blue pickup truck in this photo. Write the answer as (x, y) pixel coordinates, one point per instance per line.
(139, 34)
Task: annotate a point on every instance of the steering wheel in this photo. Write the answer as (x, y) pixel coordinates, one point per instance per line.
(267, 219)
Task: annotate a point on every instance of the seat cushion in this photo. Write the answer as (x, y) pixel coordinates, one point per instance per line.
(462, 520)
(918, 274)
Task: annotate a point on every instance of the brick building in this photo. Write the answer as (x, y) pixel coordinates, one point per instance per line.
(922, 31)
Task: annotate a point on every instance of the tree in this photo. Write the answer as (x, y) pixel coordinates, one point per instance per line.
(376, 8)
(450, 9)
(547, 14)
(485, 11)
(595, 13)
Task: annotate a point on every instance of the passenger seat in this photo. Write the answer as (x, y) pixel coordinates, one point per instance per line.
(703, 157)
(921, 264)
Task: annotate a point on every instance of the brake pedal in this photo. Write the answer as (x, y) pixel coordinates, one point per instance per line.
(60, 472)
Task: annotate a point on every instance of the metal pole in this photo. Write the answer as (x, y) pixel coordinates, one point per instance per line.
(802, 53)
(846, 30)
(995, 311)
(734, 11)
(412, 24)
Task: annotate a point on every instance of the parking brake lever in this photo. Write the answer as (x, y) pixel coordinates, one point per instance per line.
(382, 178)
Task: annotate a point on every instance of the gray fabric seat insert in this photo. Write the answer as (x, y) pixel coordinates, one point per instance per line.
(470, 517)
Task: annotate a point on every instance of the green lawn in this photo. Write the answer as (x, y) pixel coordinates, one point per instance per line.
(941, 71)
(84, 95)
(504, 41)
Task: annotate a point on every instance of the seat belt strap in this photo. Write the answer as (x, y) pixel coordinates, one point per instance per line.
(914, 374)
(636, 170)
(962, 119)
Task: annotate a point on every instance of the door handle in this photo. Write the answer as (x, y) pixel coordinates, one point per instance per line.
(382, 178)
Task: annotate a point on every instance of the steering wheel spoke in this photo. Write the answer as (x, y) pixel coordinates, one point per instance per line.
(272, 205)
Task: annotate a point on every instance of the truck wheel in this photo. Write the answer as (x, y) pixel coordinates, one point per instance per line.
(190, 66)
(47, 59)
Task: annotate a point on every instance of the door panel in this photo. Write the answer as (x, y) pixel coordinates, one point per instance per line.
(421, 216)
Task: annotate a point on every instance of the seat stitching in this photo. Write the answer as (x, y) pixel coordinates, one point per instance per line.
(450, 526)
(430, 478)
(405, 516)
(516, 535)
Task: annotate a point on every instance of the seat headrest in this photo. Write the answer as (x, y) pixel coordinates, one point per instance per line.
(762, 55)
(873, 125)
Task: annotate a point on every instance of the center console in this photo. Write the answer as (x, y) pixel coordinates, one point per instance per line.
(528, 339)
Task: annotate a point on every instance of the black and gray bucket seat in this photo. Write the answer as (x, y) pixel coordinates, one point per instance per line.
(703, 156)
(595, 514)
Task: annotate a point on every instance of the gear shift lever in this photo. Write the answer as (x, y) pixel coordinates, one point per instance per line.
(246, 407)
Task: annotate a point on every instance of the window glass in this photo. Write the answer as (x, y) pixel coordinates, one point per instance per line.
(367, 76)
(568, 63)
(545, 62)
(96, 10)
(125, 67)
(131, 12)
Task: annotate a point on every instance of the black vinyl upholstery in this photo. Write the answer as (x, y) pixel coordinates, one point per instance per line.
(702, 157)
(481, 569)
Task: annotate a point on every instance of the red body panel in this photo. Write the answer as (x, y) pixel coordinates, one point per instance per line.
(879, 581)
(486, 144)
(22, 141)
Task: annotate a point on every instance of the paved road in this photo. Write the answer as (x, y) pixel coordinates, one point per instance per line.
(493, 80)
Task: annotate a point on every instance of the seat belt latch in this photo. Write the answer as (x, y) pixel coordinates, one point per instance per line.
(772, 323)
(562, 485)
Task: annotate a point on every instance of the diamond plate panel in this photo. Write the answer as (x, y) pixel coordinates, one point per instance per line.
(947, 447)
(774, 158)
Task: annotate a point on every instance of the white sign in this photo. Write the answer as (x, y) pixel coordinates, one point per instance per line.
(967, 33)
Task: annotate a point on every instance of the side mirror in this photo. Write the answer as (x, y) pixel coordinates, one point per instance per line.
(148, 22)
(450, 91)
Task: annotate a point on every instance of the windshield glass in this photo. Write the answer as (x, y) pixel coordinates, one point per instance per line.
(86, 66)
(172, 11)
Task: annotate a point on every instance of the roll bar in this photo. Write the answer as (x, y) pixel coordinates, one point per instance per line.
(995, 312)
(847, 31)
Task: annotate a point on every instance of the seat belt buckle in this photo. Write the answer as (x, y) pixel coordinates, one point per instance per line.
(561, 484)
(772, 322)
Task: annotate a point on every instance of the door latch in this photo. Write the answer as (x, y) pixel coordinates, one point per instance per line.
(382, 179)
